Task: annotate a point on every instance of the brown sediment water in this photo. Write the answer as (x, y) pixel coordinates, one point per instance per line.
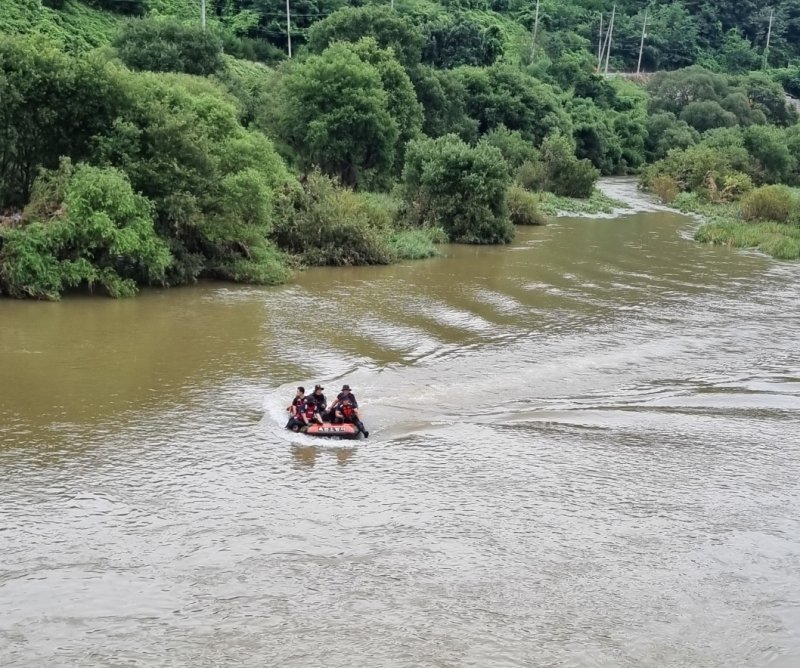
(584, 451)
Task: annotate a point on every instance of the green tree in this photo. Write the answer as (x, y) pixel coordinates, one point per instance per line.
(515, 148)
(386, 26)
(271, 14)
(666, 132)
(444, 103)
(565, 174)
(768, 147)
(767, 95)
(706, 115)
(737, 54)
(180, 142)
(335, 115)
(52, 106)
(102, 234)
(738, 104)
(130, 7)
(502, 94)
(169, 46)
(460, 41)
(672, 91)
(401, 99)
(594, 135)
(672, 37)
(448, 184)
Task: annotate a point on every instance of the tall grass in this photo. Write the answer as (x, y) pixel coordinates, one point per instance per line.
(417, 244)
(780, 241)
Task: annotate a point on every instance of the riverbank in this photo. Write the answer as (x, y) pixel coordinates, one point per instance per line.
(724, 225)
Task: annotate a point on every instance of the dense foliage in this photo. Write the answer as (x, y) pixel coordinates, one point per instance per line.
(169, 46)
(137, 148)
(459, 188)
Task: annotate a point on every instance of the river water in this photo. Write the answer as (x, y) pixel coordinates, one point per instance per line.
(584, 452)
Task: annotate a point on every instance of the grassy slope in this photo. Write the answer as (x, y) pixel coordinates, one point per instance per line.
(76, 26)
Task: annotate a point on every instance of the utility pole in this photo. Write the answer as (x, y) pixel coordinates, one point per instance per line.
(535, 30)
(641, 45)
(610, 36)
(600, 44)
(203, 14)
(769, 35)
(288, 29)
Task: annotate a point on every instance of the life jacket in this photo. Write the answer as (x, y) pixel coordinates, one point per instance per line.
(309, 409)
(347, 410)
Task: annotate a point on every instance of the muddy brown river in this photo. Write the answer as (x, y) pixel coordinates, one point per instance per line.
(584, 451)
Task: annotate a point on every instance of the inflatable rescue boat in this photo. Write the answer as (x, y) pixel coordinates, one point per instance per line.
(330, 430)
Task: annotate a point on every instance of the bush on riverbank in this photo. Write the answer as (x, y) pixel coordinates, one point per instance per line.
(324, 224)
(776, 203)
(99, 233)
(523, 207)
(460, 188)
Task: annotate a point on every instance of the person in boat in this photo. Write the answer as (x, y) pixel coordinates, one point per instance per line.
(345, 409)
(309, 412)
(322, 403)
(295, 409)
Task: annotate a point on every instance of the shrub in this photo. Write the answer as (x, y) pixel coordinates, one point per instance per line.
(706, 115)
(211, 181)
(665, 187)
(735, 185)
(325, 224)
(768, 203)
(531, 176)
(169, 46)
(103, 235)
(566, 175)
(691, 167)
(448, 184)
(515, 148)
(522, 207)
(767, 146)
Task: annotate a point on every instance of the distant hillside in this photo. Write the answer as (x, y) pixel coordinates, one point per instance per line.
(723, 36)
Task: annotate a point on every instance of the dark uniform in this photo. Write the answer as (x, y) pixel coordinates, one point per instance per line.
(346, 405)
(319, 399)
(296, 409)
